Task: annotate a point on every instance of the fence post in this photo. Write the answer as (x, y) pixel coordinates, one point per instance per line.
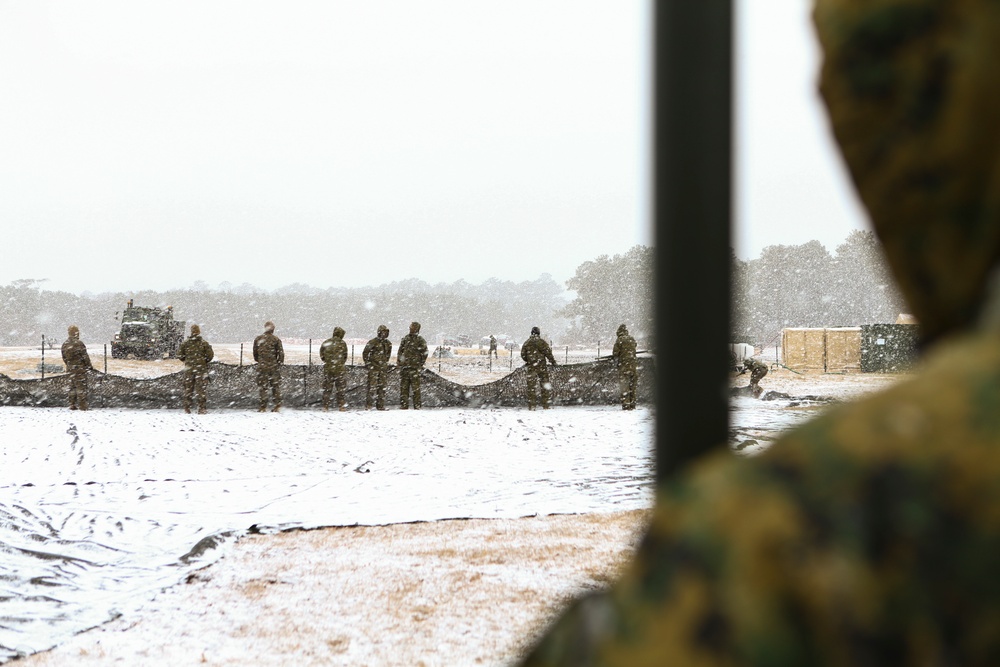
(43, 356)
(105, 358)
(352, 354)
(440, 354)
(305, 378)
(598, 349)
(567, 355)
(241, 355)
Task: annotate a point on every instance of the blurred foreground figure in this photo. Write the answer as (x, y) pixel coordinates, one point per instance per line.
(269, 354)
(868, 536)
(195, 352)
(77, 360)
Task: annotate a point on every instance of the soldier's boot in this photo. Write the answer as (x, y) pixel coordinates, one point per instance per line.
(72, 406)
(262, 408)
(83, 404)
(276, 408)
(202, 410)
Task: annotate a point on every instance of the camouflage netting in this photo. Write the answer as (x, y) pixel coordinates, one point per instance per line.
(593, 383)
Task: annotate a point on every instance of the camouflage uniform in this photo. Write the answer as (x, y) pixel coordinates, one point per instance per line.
(333, 352)
(536, 352)
(269, 354)
(758, 369)
(77, 360)
(866, 536)
(376, 357)
(493, 347)
(628, 372)
(195, 352)
(411, 357)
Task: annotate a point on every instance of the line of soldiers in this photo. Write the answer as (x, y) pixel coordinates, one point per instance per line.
(269, 353)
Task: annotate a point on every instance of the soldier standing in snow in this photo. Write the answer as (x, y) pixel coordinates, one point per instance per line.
(411, 357)
(625, 360)
(269, 354)
(333, 352)
(376, 357)
(758, 369)
(195, 352)
(74, 354)
(536, 353)
(493, 346)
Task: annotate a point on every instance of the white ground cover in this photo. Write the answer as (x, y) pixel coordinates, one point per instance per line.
(101, 509)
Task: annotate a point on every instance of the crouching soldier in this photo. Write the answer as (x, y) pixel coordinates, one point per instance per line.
(74, 354)
(758, 369)
(195, 352)
(333, 352)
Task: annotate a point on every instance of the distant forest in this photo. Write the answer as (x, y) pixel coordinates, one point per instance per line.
(806, 286)
(604, 293)
(787, 286)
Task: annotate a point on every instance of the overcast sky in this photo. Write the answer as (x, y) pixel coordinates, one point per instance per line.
(149, 145)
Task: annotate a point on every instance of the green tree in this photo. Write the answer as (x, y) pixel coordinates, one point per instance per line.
(611, 291)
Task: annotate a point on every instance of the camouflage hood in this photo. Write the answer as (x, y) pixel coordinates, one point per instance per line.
(913, 95)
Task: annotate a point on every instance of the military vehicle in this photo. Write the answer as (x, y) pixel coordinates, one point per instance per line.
(148, 333)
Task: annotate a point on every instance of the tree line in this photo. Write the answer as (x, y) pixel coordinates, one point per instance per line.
(806, 286)
(787, 286)
(585, 310)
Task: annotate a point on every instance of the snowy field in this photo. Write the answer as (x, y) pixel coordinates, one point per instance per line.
(101, 509)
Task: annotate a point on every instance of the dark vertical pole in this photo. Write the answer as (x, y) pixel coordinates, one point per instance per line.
(598, 349)
(352, 354)
(567, 355)
(692, 185)
(105, 358)
(241, 355)
(43, 356)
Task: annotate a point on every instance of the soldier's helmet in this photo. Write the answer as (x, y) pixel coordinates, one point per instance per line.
(268, 327)
(195, 330)
(73, 331)
(622, 329)
(535, 331)
(383, 331)
(338, 332)
(414, 327)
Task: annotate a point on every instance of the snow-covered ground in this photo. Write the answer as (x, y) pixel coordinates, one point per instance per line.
(100, 509)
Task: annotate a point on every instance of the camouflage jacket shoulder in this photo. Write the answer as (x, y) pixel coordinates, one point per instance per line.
(865, 536)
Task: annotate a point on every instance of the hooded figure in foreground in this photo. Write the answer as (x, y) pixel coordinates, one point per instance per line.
(867, 536)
